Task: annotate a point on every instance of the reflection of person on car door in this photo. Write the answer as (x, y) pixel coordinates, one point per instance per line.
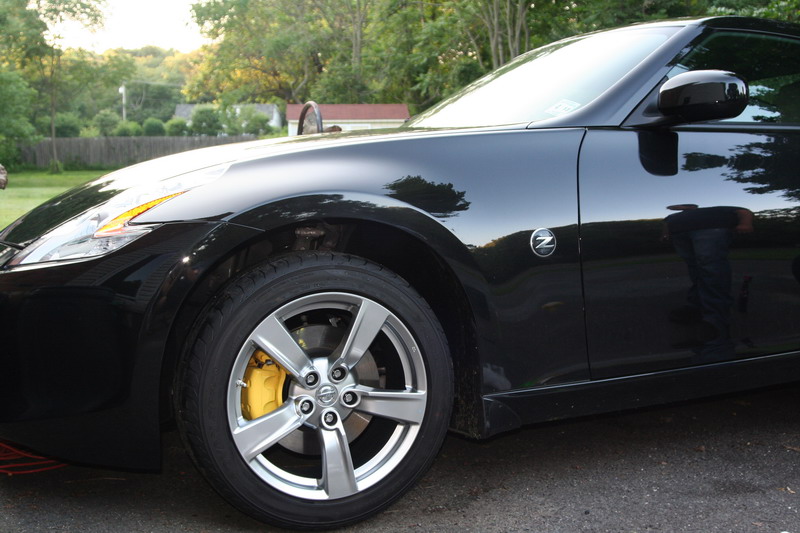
(702, 237)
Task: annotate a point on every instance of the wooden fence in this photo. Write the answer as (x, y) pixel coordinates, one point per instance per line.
(115, 152)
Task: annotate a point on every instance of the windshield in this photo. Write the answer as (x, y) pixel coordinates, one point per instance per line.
(547, 82)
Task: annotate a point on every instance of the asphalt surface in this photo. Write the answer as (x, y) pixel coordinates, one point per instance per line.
(730, 464)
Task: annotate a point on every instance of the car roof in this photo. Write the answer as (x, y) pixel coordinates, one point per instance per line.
(753, 24)
(720, 22)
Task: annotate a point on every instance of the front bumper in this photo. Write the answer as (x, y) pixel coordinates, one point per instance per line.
(83, 344)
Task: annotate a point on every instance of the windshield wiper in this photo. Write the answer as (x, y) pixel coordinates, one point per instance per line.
(12, 245)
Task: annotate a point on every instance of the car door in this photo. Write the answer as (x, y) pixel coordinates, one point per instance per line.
(690, 236)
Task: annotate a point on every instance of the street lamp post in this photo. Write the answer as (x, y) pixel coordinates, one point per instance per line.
(124, 93)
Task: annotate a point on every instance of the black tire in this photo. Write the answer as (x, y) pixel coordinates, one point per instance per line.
(359, 367)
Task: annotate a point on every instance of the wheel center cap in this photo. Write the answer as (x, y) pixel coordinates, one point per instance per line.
(326, 395)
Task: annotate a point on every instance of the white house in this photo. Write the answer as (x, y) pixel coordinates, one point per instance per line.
(184, 111)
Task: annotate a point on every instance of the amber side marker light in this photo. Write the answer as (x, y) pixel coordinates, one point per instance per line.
(118, 224)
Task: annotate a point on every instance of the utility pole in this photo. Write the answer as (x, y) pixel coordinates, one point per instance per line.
(124, 93)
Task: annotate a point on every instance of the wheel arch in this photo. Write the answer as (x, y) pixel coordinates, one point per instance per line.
(419, 249)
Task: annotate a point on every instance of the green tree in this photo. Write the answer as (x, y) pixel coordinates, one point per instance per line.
(784, 10)
(23, 33)
(84, 77)
(53, 12)
(351, 51)
(592, 15)
(788, 10)
(264, 49)
(16, 98)
(341, 84)
(422, 54)
(499, 26)
(345, 27)
(91, 82)
(35, 47)
(154, 86)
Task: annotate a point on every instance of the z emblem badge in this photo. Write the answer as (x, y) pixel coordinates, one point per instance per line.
(543, 242)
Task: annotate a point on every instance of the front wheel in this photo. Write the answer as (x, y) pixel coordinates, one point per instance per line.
(317, 391)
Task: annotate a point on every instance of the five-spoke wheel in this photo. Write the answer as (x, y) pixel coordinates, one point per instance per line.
(318, 390)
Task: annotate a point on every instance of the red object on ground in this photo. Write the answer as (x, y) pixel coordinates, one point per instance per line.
(14, 462)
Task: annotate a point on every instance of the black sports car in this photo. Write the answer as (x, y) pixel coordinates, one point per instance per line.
(607, 222)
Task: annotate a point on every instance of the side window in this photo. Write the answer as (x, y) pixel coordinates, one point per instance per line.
(769, 63)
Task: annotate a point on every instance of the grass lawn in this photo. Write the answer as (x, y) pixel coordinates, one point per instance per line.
(29, 188)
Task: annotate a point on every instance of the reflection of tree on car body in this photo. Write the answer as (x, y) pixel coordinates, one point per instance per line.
(702, 237)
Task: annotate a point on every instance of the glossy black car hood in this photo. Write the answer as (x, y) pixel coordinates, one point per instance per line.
(78, 200)
(188, 169)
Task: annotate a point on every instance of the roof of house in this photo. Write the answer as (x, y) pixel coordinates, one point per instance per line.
(353, 111)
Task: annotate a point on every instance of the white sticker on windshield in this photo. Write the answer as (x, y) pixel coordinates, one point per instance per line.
(562, 107)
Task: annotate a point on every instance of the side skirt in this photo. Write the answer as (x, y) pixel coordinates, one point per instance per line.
(510, 410)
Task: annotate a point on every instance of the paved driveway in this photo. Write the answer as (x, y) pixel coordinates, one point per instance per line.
(728, 464)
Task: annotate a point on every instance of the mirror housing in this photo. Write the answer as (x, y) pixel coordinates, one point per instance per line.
(701, 95)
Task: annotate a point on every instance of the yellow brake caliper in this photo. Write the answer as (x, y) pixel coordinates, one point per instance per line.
(263, 390)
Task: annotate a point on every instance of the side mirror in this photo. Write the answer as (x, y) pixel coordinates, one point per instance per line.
(701, 95)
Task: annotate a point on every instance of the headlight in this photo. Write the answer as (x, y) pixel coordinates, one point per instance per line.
(107, 227)
(94, 233)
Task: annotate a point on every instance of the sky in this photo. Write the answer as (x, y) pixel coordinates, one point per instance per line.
(138, 23)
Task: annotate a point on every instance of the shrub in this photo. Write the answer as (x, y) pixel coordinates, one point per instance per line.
(68, 125)
(128, 128)
(245, 119)
(254, 122)
(90, 131)
(205, 121)
(106, 121)
(154, 127)
(231, 123)
(176, 127)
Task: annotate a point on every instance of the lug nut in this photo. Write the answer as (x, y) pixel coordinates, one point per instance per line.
(306, 406)
(329, 418)
(312, 379)
(338, 373)
(350, 398)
